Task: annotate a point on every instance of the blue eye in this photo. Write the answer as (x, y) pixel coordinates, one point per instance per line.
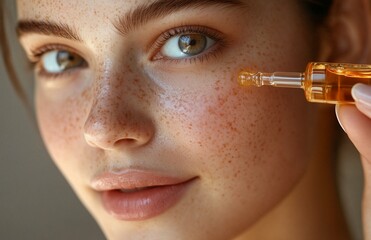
(186, 45)
(58, 61)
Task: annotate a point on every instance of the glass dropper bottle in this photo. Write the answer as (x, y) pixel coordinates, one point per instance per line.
(322, 82)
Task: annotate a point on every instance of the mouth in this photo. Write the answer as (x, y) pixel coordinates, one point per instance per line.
(134, 195)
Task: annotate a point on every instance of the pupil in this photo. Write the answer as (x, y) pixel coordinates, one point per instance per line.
(192, 44)
(63, 58)
(67, 60)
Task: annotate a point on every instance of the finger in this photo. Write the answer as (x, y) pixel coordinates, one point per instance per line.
(356, 121)
(362, 95)
(358, 127)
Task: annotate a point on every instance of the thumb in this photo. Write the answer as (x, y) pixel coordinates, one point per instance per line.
(356, 122)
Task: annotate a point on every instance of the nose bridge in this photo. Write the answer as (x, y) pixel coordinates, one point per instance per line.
(115, 118)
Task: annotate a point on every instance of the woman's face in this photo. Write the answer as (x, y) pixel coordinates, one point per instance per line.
(139, 107)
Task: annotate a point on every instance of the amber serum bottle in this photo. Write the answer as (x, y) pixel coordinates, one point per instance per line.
(322, 82)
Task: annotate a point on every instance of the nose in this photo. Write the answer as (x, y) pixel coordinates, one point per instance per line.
(115, 122)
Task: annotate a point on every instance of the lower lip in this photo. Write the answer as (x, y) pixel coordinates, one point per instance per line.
(143, 204)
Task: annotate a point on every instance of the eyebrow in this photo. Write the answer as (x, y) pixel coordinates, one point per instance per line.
(160, 8)
(130, 21)
(25, 27)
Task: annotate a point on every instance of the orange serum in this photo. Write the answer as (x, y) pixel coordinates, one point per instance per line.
(321, 82)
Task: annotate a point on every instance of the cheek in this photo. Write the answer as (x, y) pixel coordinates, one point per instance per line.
(60, 125)
(253, 136)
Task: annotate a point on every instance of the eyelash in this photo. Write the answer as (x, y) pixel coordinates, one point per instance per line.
(36, 56)
(155, 47)
(211, 33)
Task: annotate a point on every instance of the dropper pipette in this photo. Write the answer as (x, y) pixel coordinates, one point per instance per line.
(321, 82)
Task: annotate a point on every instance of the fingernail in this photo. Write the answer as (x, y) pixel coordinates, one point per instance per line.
(362, 94)
(337, 107)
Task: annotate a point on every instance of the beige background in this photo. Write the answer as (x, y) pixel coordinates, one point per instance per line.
(36, 202)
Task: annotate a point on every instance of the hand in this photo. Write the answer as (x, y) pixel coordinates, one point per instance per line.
(356, 122)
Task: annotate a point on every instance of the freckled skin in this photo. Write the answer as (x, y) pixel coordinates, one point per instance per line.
(246, 145)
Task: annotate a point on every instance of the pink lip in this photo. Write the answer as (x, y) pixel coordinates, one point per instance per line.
(146, 194)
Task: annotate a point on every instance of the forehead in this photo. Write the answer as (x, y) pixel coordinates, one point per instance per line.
(73, 9)
(92, 14)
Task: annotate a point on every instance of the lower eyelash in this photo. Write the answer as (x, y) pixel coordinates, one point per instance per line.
(40, 72)
(210, 53)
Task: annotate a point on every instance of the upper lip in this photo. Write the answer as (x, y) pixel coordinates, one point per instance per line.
(133, 179)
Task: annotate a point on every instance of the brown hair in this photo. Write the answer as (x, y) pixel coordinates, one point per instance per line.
(5, 52)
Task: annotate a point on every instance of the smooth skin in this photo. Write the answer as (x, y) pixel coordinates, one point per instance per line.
(261, 156)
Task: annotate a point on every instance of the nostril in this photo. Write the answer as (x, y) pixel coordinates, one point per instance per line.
(110, 142)
(126, 141)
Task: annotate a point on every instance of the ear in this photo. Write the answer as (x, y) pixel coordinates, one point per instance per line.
(347, 32)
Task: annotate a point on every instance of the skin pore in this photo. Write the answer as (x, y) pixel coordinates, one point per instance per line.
(128, 103)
